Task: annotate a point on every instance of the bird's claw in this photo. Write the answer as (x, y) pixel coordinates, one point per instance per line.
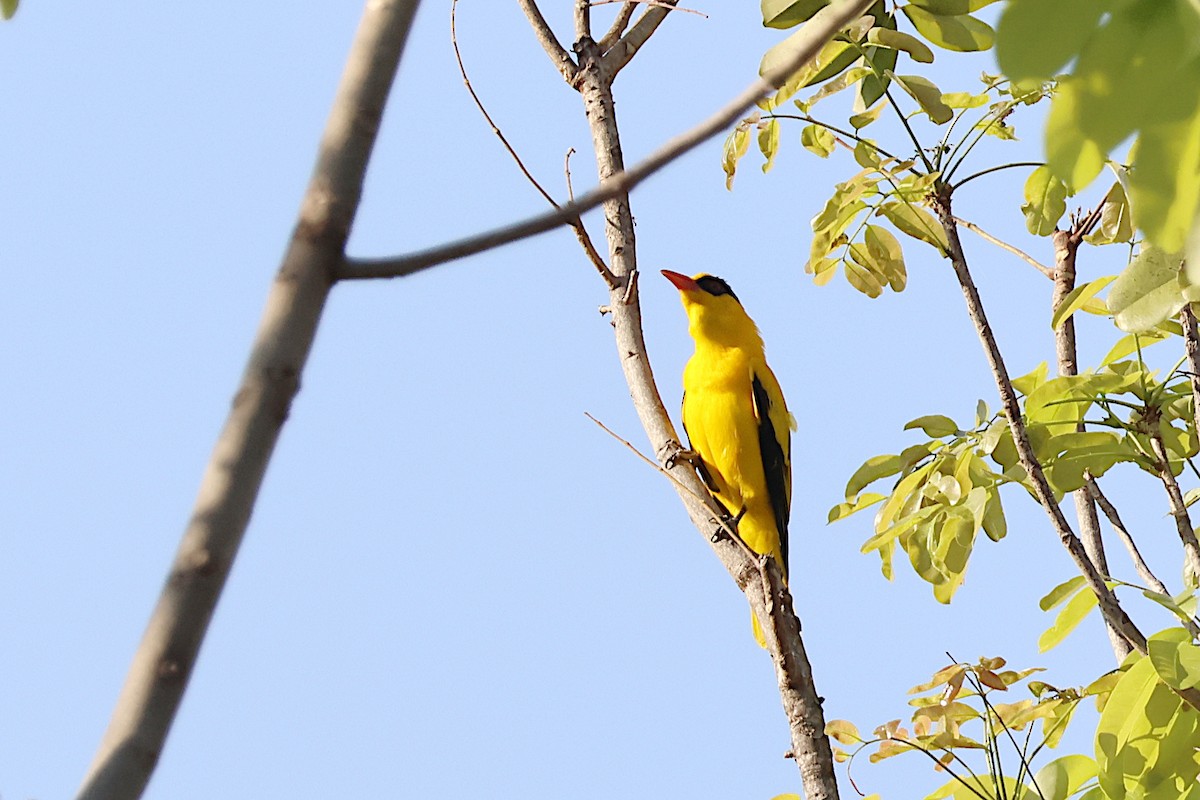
(672, 453)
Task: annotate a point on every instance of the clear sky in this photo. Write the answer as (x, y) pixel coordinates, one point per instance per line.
(454, 584)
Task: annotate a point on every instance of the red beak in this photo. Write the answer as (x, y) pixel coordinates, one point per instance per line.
(682, 282)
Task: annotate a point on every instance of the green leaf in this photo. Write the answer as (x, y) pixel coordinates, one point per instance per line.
(935, 425)
(834, 57)
(1165, 183)
(1061, 592)
(1075, 158)
(994, 523)
(1032, 380)
(817, 139)
(896, 40)
(1045, 202)
(872, 87)
(860, 274)
(965, 99)
(915, 222)
(789, 13)
(859, 121)
(885, 251)
(1077, 298)
(1064, 776)
(843, 510)
(951, 7)
(1036, 39)
(8, 8)
(960, 32)
(1147, 291)
(1068, 619)
(846, 79)
(1116, 222)
(927, 95)
(768, 143)
(1175, 657)
(736, 145)
(873, 469)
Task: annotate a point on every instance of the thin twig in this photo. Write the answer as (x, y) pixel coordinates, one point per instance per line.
(618, 27)
(655, 3)
(567, 173)
(1118, 526)
(1191, 345)
(1179, 512)
(576, 224)
(990, 170)
(1028, 259)
(839, 131)
(815, 33)
(626, 48)
(545, 36)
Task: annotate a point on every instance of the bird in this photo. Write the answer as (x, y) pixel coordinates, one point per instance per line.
(736, 419)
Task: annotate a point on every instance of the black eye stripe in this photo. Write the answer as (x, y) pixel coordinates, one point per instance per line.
(715, 286)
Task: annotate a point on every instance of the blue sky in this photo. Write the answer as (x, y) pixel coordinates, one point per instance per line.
(453, 583)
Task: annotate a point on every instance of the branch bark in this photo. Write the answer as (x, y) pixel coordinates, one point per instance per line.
(1109, 606)
(627, 46)
(1066, 248)
(1191, 345)
(169, 648)
(761, 580)
(618, 27)
(1179, 512)
(815, 33)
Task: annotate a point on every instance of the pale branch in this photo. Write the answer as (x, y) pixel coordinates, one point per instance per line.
(545, 36)
(576, 224)
(626, 48)
(815, 33)
(583, 19)
(1114, 519)
(1066, 250)
(167, 654)
(1191, 345)
(619, 25)
(1109, 606)
(1003, 245)
(762, 584)
(1179, 512)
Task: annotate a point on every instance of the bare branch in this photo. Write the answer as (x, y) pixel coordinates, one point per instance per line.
(167, 654)
(1008, 397)
(1028, 259)
(618, 26)
(1191, 344)
(576, 224)
(1179, 512)
(561, 58)
(1114, 519)
(1066, 248)
(625, 49)
(816, 32)
(583, 20)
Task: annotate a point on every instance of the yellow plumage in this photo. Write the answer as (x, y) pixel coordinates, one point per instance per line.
(735, 416)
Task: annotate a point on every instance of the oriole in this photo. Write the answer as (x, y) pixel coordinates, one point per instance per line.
(735, 417)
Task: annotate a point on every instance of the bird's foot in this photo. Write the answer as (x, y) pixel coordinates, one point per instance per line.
(673, 453)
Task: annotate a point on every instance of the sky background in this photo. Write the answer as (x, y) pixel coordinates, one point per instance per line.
(454, 584)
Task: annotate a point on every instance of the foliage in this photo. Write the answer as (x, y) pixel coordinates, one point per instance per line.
(8, 8)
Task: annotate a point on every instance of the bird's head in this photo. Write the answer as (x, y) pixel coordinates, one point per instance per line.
(714, 311)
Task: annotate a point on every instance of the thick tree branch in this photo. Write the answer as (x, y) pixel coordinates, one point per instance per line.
(619, 25)
(816, 32)
(626, 48)
(561, 58)
(1109, 606)
(1066, 248)
(167, 654)
(583, 19)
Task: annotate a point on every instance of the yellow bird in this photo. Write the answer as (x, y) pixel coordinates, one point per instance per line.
(735, 417)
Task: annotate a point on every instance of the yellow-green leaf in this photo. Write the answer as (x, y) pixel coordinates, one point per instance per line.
(897, 40)
(1045, 202)
(1061, 592)
(935, 425)
(927, 95)
(1068, 619)
(1147, 291)
(768, 142)
(916, 222)
(1175, 657)
(959, 32)
(817, 139)
(1077, 298)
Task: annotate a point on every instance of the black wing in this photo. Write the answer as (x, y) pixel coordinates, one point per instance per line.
(775, 467)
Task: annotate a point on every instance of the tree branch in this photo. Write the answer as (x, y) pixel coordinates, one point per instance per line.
(1191, 345)
(762, 581)
(583, 19)
(1021, 254)
(1179, 512)
(1008, 397)
(167, 654)
(561, 58)
(618, 27)
(816, 32)
(1066, 248)
(620, 54)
